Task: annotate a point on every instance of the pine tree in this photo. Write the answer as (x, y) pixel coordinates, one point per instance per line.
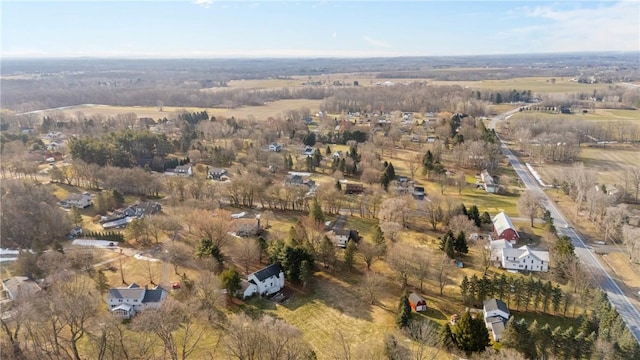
(474, 214)
(404, 311)
(470, 334)
(445, 338)
(328, 151)
(460, 244)
(306, 272)
(350, 254)
(315, 212)
(464, 289)
(518, 337)
(75, 216)
(379, 241)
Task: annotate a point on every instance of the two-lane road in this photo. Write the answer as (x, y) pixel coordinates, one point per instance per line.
(625, 308)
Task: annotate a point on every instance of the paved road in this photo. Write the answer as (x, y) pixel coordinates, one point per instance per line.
(625, 308)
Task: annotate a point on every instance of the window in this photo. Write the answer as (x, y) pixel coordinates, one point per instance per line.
(135, 300)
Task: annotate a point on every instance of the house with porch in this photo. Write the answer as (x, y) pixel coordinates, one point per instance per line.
(125, 302)
(266, 281)
(524, 258)
(80, 201)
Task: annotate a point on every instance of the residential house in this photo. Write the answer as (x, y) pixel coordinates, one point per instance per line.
(143, 208)
(418, 192)
(299, 180)
(19, 287)
(417, 302)
(490, 185)
(267, 281)
(337, 154)
(217, 174)
(496, 247)
(503, 228)
(343, 236)
(353, 188)
(431, 138)
(184, 170)
(275, 147)
(127, 301)
(496, 314)
(524, 258)
(78, 200)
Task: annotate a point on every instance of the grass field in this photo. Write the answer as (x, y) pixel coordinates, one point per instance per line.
(598, 115)
(273, 109)
(535, 84)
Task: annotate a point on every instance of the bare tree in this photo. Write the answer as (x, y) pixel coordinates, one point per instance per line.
(631, 239)
(174, 326)
(246, 252)
(391, 230)
(529, 204)
(425, 336)
(462, 223)
(444, 267)
(420, 270)
(372, 286)
(400, 259)
(368, 252)
(214, 226)
(177, 254)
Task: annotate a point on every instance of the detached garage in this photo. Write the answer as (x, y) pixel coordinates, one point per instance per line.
(417, 302)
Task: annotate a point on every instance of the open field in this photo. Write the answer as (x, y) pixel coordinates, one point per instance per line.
(608, 162)
(613, 115)
(535, 84)
(273, 109)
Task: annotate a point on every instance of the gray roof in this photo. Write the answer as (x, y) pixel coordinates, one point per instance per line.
(269, 271)
(19, 286)
(153, 295)
(495, 304)
(497, 328)
(415, 298)
(126, 293)
(495, 319)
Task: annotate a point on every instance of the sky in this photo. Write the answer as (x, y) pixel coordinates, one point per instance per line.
(224, 29)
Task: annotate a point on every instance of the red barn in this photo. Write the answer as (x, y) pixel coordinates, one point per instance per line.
(417, 302)
(503, 228)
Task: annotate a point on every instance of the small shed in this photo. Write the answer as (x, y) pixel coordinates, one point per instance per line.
(417, 302)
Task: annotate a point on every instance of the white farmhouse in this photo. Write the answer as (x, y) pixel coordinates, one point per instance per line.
(525, 258)
(265, 282)
(125, 302)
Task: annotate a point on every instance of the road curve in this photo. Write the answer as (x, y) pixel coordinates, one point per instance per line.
(625, 308)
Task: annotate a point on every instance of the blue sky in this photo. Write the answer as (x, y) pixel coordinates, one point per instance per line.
(212, 29)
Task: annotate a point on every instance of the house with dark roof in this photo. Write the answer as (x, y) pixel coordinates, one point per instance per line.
(218, 174)
(19, 287)
(341, 237)
(184, 170)
(266, 281)
(503, 228)
(496, 314)
(127, 301)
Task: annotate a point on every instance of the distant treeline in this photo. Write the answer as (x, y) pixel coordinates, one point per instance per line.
(104, 235)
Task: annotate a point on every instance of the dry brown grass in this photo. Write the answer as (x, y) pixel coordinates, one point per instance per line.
(626, 274)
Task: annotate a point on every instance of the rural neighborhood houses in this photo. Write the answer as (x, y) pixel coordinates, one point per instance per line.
(184, 170)
(503, 228)
(125, 302)
(496, 314)
(275, 147)
(266, 281)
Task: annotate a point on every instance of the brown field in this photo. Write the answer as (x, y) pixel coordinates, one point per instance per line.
(609, 162)
(274, 109)
(535, 84)
(626, 274)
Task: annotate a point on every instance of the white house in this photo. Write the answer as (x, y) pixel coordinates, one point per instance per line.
(265, 282)
(275, 147)
(78, 200)
(496, 314)
(125, 302)
(184, 170)
(525, 258)
(342, 237)
(496, 247)
(490, 185)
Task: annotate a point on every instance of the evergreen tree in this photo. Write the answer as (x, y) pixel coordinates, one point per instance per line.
(328, 151)
(517, 336)
(75, 216)
(306, 272)
(388, 175)
(404, 311)
(474, 214)
(445, 338)
(379, 241)
(338, 185)
(470, 334)
(230, 279)
(118, 198)
(460, 244)
(486, 218)
(350, 254)
(315, 212)
(464, 289)
(447, 244)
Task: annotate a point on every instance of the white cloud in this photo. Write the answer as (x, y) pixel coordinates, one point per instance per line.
(204, 3)
(607, 27)
(376, 43)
